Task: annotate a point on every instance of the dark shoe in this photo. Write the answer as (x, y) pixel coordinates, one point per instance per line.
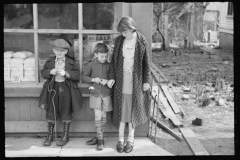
(100, 144)
(129, 147)
(92, 141)
(120, 147)
(49, 138)
(65, 136)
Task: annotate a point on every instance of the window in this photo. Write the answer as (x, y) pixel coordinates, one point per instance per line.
(230, 9)
(98, 16)
(90, 41)
(19, 60)
(27, 47)
(18, 16)
(46, 49)
(58, 16)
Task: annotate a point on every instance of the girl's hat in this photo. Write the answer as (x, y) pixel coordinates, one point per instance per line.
(60, 43)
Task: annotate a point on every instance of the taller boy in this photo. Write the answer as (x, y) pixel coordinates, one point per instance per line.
(96, 73)
(60, 96)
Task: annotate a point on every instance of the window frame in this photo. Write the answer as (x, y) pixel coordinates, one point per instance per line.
(230, 11)
(80, 31)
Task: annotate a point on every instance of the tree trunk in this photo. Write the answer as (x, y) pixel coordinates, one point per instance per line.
(166, 42)
(192, 34)
(163, 40)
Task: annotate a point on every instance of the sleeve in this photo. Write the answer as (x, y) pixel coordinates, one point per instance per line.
(73, 74)
(146, 64)
(87, 73)
(45, 72)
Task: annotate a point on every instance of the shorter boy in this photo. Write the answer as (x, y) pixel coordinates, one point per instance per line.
(96, 73)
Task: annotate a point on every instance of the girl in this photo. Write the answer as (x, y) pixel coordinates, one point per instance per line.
(130, 70)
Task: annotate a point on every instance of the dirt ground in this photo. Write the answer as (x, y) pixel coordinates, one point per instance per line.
(210, 76)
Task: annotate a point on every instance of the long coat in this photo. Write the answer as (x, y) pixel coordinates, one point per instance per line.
(73, 69)
(141, 74)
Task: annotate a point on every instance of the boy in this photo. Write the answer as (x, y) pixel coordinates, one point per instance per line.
(96, 73)
(60, 96)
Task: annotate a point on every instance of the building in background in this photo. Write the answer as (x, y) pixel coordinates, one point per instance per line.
(226, 29)
(211, 22)
(29, 30)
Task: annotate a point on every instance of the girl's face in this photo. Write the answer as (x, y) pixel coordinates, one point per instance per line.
(60, 52)
(127, 34)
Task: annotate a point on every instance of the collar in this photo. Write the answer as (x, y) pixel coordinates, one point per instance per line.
(97, 61)
(57, 59)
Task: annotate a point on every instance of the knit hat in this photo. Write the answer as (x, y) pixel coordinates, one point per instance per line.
(60, 43)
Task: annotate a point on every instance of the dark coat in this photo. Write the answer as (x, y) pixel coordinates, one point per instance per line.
(97, 69)
(73, 70)
(141, 74)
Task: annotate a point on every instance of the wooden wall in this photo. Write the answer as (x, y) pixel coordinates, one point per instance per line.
(23, 116)
(226, 23)
(142, 13)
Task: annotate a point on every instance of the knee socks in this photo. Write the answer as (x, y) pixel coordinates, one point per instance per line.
(104, 121)
(98, 124)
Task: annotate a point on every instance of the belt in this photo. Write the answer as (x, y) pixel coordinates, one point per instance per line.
(60, 82)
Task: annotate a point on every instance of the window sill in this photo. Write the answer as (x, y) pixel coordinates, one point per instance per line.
(34, 90)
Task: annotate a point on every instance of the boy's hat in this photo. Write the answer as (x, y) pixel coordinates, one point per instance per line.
(61, 43)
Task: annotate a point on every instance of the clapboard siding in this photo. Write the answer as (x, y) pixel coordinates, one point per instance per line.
(26, 109)
(21, 108)
(22, 115)
(6, 113)
(225, 22)
(13, 108)
(35, 112)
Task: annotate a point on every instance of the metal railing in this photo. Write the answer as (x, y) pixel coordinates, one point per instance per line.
(154, 107)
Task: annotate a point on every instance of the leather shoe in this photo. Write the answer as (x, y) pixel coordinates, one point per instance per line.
(92, 141)
(120, 147)
(129, 147)
(100, 144)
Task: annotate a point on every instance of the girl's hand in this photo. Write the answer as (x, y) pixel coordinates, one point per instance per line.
(53, 72)
(62, 72)
(110, 83)
(146, 86)
(104, 81)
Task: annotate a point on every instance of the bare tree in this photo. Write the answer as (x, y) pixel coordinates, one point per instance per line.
(202, 5)
(159, 9)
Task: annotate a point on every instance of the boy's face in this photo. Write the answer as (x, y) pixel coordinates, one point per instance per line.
(59, 52)
(102, 57)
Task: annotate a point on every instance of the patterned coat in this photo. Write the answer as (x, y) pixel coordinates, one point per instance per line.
(141, 74)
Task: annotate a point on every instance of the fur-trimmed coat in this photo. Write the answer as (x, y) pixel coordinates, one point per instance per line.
(141, 74)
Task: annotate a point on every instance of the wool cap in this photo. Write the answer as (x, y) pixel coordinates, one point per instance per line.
(61, 43)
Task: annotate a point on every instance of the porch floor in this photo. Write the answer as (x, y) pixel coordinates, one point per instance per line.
(76, 147)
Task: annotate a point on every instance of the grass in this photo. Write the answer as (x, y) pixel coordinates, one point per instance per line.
(193, 68)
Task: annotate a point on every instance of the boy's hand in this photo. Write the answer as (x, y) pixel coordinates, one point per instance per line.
(104, 81)
(53, 72)
(110, 83)
(96, 80)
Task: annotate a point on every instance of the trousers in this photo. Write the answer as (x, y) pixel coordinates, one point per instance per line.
(62, 103)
